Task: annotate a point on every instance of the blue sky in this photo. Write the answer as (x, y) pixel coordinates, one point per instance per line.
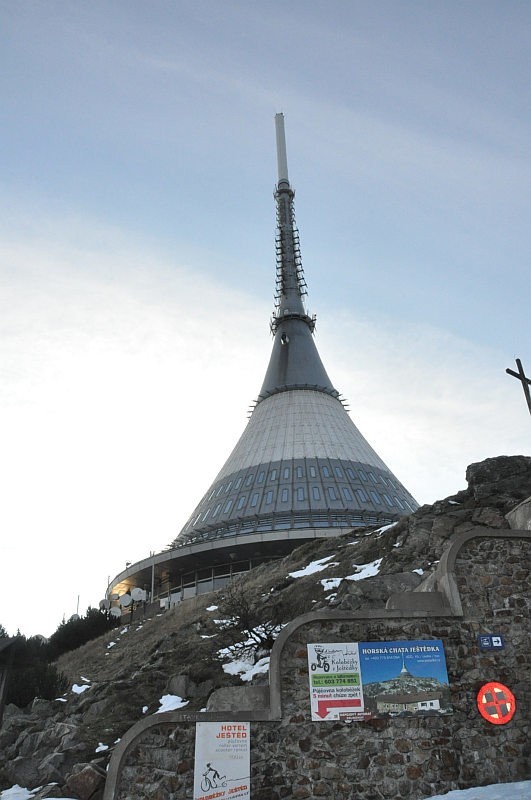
(137, 261)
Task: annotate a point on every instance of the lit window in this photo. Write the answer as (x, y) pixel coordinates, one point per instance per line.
(241, 502)
(313, 473)
(261, 476)
(339, 472)
(332, 493)
(361, 494)
(273, 475)
(351, 474)
(254, 499)
(347, 493)
(268, 498)
(316, 494)
(375, 496)
(228, 506)
(300, 493)
(326, 472)
(285, 496)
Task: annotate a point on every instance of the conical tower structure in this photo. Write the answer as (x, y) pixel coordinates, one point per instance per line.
(300, 470)
(300, 462)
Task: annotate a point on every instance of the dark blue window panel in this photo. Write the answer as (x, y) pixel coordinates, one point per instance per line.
(254, 499)
(332, 493)
(269, 498)
(347, 493)
(300, 493)
(387, 499)
(273, 475)
(313, 472)
(228, 506)
(339, 472)
(241, 502)
(261, 476)
(300, 472)
(286, 473)
(316, 494)
(250, 479)
(285, 496)
(375, 496)
(325, 471)
(362, 475)
(351, 474)
(362, 496)
(216, 510)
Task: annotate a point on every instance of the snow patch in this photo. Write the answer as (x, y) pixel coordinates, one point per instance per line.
(212, 608)
(144, 709)
(419, 571)
(330, 583)
(245, 669)
(313, 566)
(365, 570)
(111, 644)
(101, 747)
(170, 702)
(385, 528)
(80, 689)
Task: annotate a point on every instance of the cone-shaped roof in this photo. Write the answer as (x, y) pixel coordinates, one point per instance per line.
(300, 462)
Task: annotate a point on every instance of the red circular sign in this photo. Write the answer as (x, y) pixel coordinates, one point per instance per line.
(496, 703)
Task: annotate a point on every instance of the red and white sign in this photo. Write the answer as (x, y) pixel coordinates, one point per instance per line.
(496, 703)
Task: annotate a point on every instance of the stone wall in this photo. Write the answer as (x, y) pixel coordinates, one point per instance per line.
(293, 757)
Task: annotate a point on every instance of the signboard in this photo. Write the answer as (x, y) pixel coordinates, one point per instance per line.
(362, 680)
(489, 641)
(222, 761)
(496, 703)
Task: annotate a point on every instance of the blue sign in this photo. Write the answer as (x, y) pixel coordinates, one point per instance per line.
(491, 641)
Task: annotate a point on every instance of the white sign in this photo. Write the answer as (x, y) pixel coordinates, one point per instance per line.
(335, 680)
(222, 761)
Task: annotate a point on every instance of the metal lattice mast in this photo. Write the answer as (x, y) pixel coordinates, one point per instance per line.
(290, 283)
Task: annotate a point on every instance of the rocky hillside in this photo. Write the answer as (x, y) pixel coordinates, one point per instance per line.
(64, 745)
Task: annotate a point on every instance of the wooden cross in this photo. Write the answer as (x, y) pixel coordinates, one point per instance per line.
(526, 382)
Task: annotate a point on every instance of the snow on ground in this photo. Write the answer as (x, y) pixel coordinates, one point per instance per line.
(246, 669)
(80, 689)
(497, 791)
(313, 566)
(101, 747)
(330, 583)
(385, 528)
(171, 702)
(111, 644)
(212, 608)
(419, 571)
(365, 570)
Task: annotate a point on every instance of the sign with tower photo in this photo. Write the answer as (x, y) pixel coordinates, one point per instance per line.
(362, 680)
(222, 761)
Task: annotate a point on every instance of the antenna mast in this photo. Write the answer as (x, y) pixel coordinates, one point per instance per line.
(290, 283)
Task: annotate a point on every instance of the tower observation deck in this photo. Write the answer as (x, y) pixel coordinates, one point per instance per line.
(301, 468)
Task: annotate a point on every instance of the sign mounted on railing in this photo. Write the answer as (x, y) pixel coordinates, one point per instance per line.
(362, 680)
(222, 761)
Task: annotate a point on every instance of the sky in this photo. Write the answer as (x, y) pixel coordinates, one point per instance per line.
(137, 169)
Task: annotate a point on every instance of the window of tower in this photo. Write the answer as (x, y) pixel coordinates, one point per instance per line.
(300, 472)
(372, 477)
(387, 499)
(237, 484)
(273, 475)
(376, 497)
(220, 489)
(241, 502)
(285, 496)
(250, 479)
(325, 471)
(332, 493)
(300, 493)
(228, 506)
(313, 473)
(269, 498)
(351, 474)
(362, 496)
(316, 494)
(227, 490)
(205, 515)
(362, 475)
(261, 476)
(347, 494)
(254, 499)
(286, 473)
(339, 472)
(216, 510)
